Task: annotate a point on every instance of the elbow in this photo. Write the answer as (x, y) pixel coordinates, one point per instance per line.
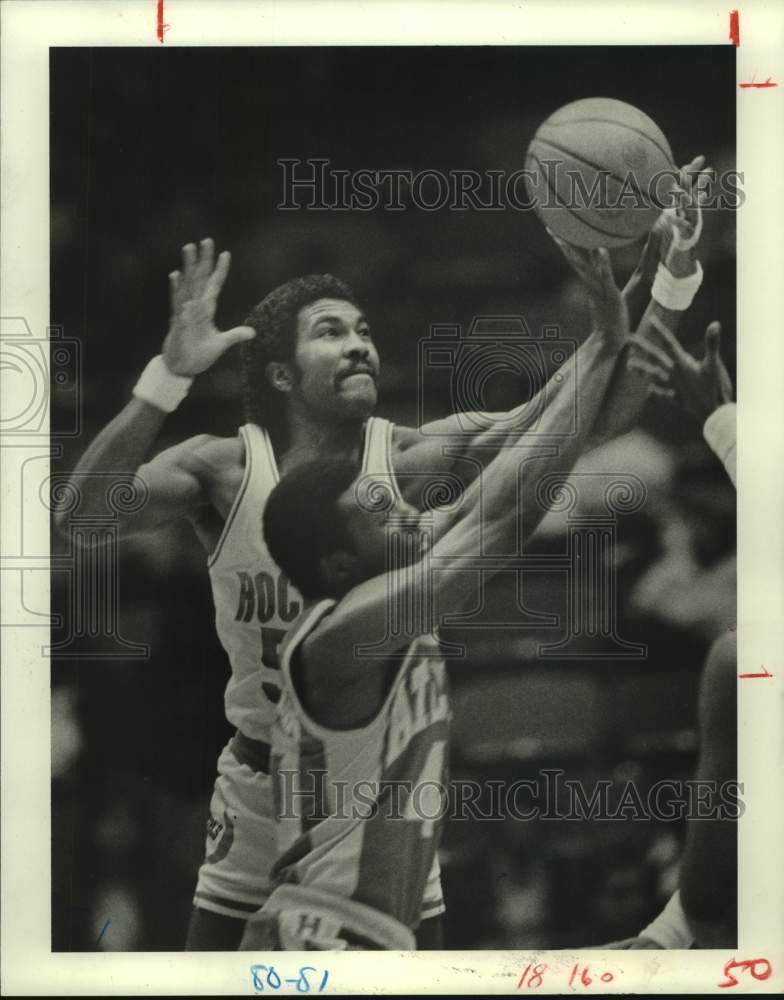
(95, 504)
(67, 500)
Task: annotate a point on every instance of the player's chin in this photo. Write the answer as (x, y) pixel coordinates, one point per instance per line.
(358, 395)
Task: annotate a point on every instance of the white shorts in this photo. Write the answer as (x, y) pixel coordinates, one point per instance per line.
(302, 918)
(240, 847)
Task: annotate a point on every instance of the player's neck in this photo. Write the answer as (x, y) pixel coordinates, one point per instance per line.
(309, 439)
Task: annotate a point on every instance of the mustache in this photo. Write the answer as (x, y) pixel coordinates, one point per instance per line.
(361, 368)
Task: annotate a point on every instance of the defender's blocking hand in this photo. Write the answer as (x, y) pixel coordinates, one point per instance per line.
(608, 307)
(193, 342)
(701, 385)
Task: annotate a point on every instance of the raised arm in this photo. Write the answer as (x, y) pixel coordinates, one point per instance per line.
(175, 481)
(630, 386)
(628, 389)
(489, 515)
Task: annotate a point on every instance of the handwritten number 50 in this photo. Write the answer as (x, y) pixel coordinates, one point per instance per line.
(765, 969)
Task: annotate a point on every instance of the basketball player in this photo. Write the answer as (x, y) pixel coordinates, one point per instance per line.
(703, 911)
(310, 369)
(353, 864)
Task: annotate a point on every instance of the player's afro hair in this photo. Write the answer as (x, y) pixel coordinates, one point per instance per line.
(275, 321)
(302, 522)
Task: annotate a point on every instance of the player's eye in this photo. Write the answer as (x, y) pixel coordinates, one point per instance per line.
(364, 332)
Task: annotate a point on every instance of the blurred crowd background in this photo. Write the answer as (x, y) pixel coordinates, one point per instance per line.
(154, 148)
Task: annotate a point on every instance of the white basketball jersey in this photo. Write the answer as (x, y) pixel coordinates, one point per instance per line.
(255, 604)
(359, 811)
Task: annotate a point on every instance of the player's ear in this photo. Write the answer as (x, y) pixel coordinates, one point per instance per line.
(337, 570)
(279, 375)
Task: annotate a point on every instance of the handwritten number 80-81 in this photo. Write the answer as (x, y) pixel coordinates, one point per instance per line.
(267, 977)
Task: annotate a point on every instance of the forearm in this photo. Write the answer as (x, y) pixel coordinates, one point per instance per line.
(502, 507)
(628, 390)
(500, 429)
(362, 615)
(554, 444)
(120, 448)
(637, 294)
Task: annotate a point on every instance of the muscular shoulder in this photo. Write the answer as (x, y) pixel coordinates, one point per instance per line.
(404, 438)
(414, 450)
(216, 464)
(421, 455)
(209, 457)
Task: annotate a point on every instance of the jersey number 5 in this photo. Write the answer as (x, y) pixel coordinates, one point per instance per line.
(271, 638)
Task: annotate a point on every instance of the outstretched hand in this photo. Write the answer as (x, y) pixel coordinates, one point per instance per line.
(609, 312)
(688, 195)
(701, 385)
(193, 342)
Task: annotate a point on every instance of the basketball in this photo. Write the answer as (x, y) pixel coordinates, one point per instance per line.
(598, 171)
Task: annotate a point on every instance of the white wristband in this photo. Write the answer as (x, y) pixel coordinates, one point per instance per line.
(721, 434)
(669, 929)
(675, 293)
(160, 387)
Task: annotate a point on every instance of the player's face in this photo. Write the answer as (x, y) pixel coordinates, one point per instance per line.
(336, 364)
(369, 531)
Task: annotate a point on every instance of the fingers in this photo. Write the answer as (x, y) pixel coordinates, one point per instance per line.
(602, 266)
(660, 391)
(713, 341)
(591, 266)
(664, 339)
(702, 184)
(189, 262)
(594, 268)
(201, 276)
(656, 375)
(204, 266)
(649, 352)
(693, 167)
(238, 335)
(657, 246)
(176, 295)
(691, 188)
(576, 256)
(218, 276)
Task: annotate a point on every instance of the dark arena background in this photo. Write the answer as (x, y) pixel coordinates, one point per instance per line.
(152, 149)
